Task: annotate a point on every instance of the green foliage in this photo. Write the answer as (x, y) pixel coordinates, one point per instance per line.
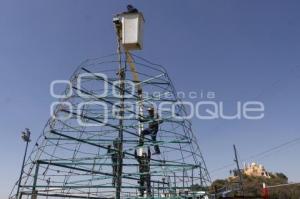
(281, 176)
(291, 192)
(218, 184)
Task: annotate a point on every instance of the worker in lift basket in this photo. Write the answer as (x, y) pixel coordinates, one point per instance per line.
(144, 170)
(152, 129)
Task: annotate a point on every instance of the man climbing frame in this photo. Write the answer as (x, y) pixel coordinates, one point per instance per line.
(114, 158)
(144, 170)
(152, 129)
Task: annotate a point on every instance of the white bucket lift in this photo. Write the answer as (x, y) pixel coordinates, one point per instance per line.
(132, 30)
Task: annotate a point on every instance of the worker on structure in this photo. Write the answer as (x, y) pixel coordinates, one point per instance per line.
(152, 129)
(114, 158)
(131, 9)
(144, 170)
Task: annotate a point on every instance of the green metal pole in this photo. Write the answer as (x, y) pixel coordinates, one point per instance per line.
(175, 182)
(122, 73)
(22, 170)
(192, 176)
(34, 192)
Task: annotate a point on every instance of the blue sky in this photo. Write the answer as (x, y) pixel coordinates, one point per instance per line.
(241, 50)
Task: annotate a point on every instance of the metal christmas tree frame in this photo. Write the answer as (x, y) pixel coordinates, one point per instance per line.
(93, 146)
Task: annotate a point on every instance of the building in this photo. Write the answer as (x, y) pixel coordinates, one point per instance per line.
(256, 170)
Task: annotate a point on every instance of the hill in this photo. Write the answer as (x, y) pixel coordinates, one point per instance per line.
(253, 186)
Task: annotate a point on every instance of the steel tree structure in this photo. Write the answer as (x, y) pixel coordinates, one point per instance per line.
(93, 145)
(71, 160)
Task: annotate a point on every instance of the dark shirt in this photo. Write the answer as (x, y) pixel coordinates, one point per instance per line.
(154, 121)
(144, 161)
(114, 154)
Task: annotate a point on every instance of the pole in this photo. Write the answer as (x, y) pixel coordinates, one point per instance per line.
(26, 137)
(192, 176)
(239, 170)
(22, 170)
(163, 186)
(183, 178)
(175, 182)
(121, 114)
(201, 175)
(35, 178)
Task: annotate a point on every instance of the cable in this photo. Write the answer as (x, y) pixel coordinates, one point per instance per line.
(261, 154)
